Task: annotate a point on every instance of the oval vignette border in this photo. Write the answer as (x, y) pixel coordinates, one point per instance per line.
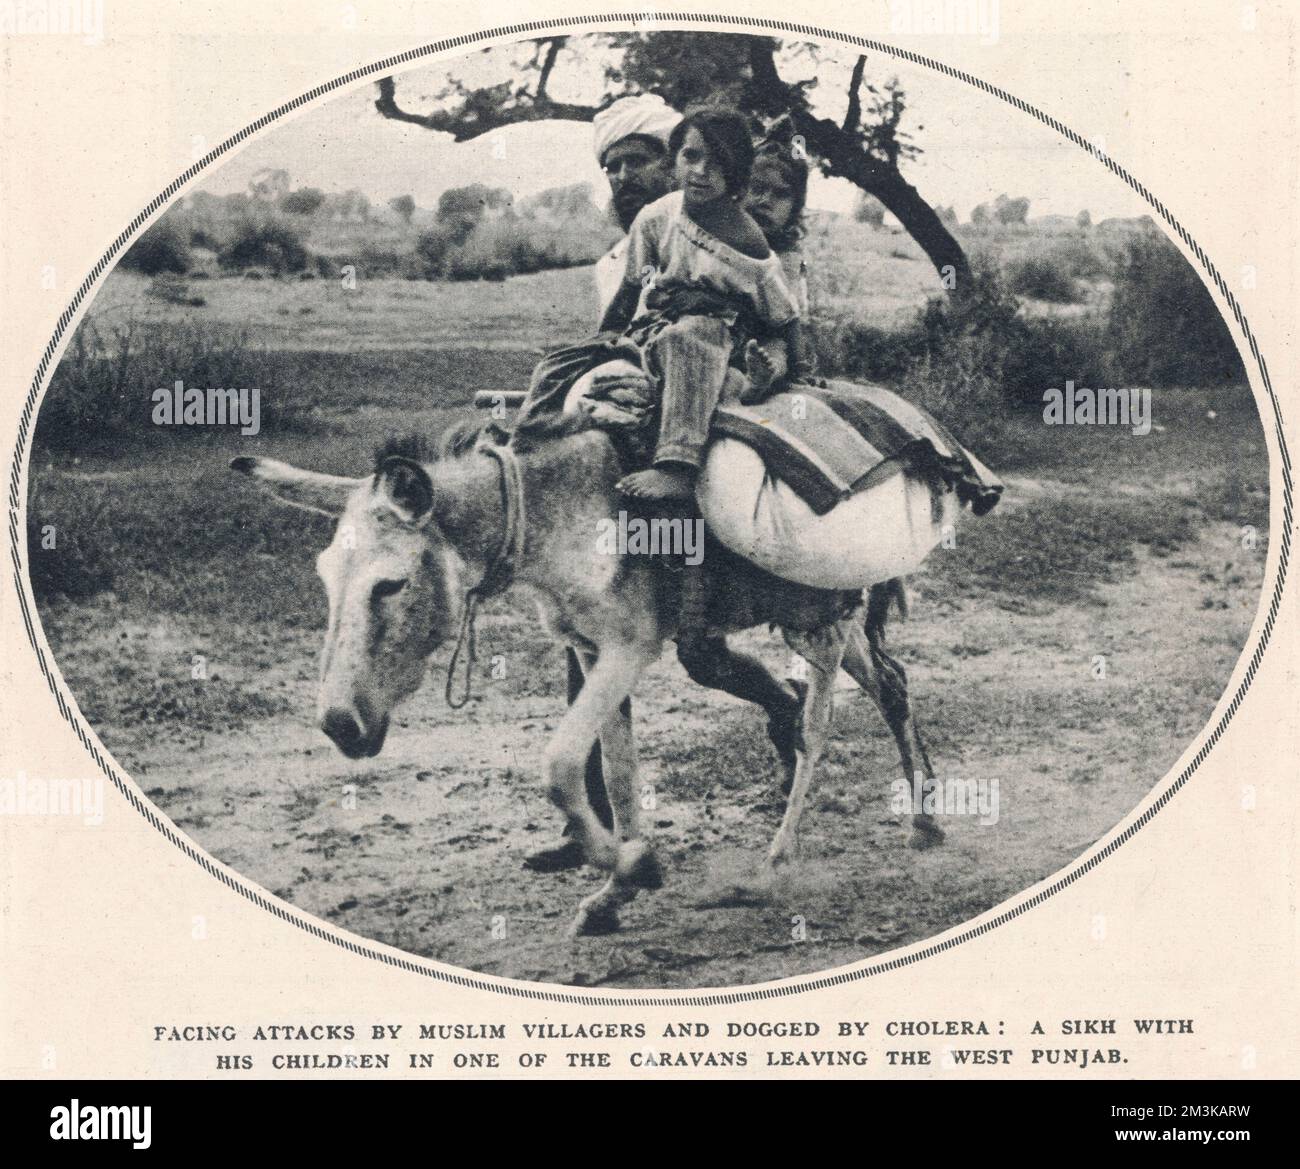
(663, 997)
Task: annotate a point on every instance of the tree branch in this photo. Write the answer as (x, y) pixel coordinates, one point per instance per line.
(853, 115)
(481, 112)
(770, 93)
(843, 155)
(553, 47)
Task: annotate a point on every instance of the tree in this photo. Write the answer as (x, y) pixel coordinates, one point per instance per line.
(303, 201)
(1010, 210)
(351, 206)
(870, 210)
(865, 144)
(462, 209)
(404, 206)
(571, 202)
(268, 184)
(1083, 219)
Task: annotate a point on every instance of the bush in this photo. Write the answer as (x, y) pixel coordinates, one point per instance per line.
(1077, 257)
(75, 567)
(431, 248)
(172, 289)
(869, 210)
(976, 339)
(1010, 211)
(164, 247)
(508, 245)
(267, 244)
(101, 393)
(304, 201)
(1163, 327)
(1039, 277)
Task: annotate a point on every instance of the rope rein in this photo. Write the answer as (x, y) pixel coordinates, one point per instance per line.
(499, 572)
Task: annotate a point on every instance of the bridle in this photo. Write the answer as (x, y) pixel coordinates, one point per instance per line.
(500, 570)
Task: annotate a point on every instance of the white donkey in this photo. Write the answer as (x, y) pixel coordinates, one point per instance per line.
(420, 541)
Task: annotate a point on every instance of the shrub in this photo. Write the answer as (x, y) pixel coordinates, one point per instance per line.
(431, 248)
(304, 201)
(173, 289)
(1009, 211)
(101, 393)
(1163, 327)
(75, 567)
(975, 342)
(1077, 257)
(869, 210)
(164, 247)
(267, 244)
(1039, 277)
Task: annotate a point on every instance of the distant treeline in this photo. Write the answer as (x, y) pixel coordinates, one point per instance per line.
(474, 233)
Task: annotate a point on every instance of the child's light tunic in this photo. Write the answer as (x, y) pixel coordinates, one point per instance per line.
(667, 250)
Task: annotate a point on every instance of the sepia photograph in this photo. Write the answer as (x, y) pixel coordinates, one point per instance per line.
(652, 509)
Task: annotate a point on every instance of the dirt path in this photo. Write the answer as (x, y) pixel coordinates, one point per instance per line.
(422, 848)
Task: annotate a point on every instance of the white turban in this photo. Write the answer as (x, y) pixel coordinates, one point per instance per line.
(646, 113)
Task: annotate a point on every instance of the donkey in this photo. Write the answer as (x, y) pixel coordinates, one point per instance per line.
(424, 538)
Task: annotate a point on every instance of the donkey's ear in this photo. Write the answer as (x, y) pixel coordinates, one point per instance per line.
(407, 488)
(309, 490)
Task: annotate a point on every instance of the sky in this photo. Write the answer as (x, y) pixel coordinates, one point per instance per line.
(975, 147)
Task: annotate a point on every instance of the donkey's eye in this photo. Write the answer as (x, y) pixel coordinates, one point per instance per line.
(387, 588)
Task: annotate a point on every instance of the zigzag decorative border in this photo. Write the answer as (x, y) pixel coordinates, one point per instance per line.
(520, 990)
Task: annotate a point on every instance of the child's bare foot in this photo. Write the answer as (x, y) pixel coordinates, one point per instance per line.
(659, 483)
(763, 373)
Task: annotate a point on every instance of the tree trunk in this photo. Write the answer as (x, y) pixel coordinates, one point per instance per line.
(923, 224)
(846, 159)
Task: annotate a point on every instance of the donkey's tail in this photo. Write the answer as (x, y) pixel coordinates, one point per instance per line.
(879, 598)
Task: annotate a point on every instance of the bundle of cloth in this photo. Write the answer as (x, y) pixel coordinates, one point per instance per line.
(834, 484)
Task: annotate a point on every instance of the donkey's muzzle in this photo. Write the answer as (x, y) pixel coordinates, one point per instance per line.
(355, 741)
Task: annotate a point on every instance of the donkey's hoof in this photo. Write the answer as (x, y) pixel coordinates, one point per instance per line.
(595, 921)
(779, 858)
(639, 866)
(925, 834)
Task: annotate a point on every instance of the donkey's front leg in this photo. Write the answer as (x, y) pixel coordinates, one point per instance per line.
(822, 648)
(610, 678)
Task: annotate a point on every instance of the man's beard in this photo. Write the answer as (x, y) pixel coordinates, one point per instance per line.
(631, 199)
(627, 205)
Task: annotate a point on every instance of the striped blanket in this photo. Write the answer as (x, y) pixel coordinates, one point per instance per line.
(830, 442)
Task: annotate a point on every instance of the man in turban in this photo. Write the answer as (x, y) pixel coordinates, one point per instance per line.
(631, 141)
(631, 138)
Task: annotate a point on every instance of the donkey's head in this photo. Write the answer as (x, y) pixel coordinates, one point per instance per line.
(393, 583)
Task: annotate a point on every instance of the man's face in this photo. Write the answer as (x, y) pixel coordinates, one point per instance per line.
(637, 169)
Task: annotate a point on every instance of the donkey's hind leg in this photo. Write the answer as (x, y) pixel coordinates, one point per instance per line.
(710, 661)
(823, 649)
(883, 678)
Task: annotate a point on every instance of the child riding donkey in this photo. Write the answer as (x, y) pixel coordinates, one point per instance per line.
(700, 287)
(701, 292)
